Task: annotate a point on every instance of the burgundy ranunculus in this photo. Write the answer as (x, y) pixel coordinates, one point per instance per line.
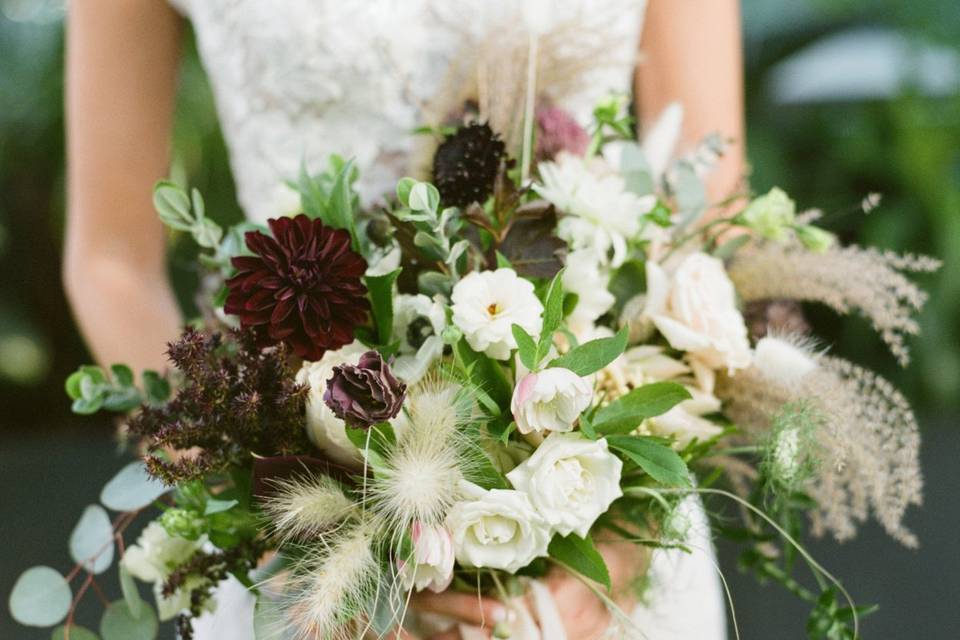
(302, 287)
(365, 393)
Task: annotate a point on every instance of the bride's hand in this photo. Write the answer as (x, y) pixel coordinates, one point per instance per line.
(582, 614)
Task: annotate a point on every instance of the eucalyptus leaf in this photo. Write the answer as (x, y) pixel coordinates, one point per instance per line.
(119, 623)
(40, 598)
(131, 594)
(661, 463)
(219, 506)
(592, 356)
(131, 489)
(76, 633)
(581, 555)
(91, 542)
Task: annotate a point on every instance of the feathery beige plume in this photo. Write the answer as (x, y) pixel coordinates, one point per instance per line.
(845, 279)
(868, 442)
(306, 506)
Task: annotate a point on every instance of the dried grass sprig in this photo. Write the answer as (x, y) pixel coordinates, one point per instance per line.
(305, 507)
(846, 279)
(868, 443)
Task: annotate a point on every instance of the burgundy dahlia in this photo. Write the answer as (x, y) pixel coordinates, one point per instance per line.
(302, 287)
(366, 393)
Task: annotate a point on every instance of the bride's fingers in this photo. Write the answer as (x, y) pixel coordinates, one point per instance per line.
(462, 606)
(461, 632)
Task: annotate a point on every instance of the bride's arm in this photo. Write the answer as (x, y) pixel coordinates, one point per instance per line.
(692, 53)
(122, 59)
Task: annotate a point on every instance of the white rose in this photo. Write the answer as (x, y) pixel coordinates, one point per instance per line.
(418, 322)
(156, 553)
(327, 431)
(599, 213)
(571, 481)
(486, 304)
(584, 277)
(550, 400)
(697, 312)
(497, 529)
(431, 566)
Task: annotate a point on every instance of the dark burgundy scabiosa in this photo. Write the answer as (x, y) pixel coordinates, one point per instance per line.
(466, 164)
(302, 287)
(365, 393)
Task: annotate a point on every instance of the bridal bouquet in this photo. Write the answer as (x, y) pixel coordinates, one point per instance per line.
(484, 380)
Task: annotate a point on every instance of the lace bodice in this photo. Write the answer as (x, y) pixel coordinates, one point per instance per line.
(298, 80)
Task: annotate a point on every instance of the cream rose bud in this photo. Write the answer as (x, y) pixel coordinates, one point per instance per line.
(486, 305)
(431, 565)
(325, 430)
(571, 481)
(497, 529)
(696, 311)
(550, 400)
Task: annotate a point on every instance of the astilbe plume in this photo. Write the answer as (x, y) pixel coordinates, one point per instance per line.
(235, 399)
(844, 278)
(867, 442)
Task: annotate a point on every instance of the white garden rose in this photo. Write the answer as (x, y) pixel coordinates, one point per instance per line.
(418, 323)
(570, 480)
(696, 312)
(599, 213)
(550, 400)
(486, 304)
(326, 430)
(584, 276)
(497, 529)
(431, 566)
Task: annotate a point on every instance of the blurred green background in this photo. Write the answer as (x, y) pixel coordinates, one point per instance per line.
(845, 98)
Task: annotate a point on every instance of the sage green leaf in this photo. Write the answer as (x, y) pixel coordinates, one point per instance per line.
(340, 209)
(122, 375)
(424, 196)
(155, 387)
(661, 463)
(552, 309)
(86, 407)
(119, 623)
(581, 555)
(592, 356)
(526, 347)
(404, 186)
(76, 633)
(131, 489)
(173, 206)
(628, 281)
(131, 594)
(40, 598)
(91, 542)
(486, 373)
(380, 289)
(218, 506)
(627, 412)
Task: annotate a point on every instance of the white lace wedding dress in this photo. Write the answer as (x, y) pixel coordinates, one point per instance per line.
(300, 79)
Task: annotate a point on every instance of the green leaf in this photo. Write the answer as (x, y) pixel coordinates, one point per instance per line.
(594, 355)
(581, 555)
(72, 385)
(122, 375)
(503, 262)
(76, 633)
(40, 598)
(380, 289)
(404, 186)
(628, 281)
(729, 248)
(218, 506)
(155, 387)
(173, 206)
(526, 347)
(486, 373)
(86, 407)
(424, 196)
(268, 620)
(340, 210)
(587, 428)
(659, 461)
(552, 309)
(627, 412)
(91, 542)
(119, 623)
(313, 199)
(131, 594)
(131, 489)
